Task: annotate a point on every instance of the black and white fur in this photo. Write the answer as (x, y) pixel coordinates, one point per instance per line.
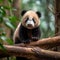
(23, 32)
(28, 30)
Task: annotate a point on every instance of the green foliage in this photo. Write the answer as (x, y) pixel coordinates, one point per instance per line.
(13, 20)
(2, 48)
(8, 23)
(1, 1)
(10, 1)
(9, 20)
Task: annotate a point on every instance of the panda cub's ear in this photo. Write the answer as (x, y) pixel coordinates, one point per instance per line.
(23, 12)
(38, 13)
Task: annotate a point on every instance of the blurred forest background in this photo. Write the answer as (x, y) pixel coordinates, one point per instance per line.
(10, 17)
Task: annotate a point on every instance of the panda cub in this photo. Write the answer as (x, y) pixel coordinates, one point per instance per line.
(28, 30)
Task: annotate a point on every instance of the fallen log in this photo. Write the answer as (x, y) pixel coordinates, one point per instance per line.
(29, 52)
(45, 43)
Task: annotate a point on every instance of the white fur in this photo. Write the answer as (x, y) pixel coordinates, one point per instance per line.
(30, 22)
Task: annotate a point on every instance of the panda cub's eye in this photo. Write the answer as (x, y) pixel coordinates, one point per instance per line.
(26, 19)
(33, 20)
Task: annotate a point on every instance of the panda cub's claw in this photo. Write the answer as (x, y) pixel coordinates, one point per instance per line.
(35, 38)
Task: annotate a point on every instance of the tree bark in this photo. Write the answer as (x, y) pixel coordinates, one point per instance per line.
(57, 17)
(44, 43)
(17, 6)
(30, 53)
(57, 20)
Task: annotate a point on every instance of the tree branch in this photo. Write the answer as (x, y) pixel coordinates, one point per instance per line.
(29, 52)
(45, 43)
(32, 52)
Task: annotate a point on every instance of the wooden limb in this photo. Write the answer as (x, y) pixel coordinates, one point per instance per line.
(30, 52)
(45, 43)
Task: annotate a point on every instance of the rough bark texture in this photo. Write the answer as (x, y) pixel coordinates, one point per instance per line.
(44, 43)
(57, 19)
(30, 53)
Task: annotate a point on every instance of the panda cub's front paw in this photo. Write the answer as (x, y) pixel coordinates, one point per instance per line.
(35, 38)
(27, 42)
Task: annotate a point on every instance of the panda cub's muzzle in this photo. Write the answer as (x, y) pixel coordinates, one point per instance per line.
(30, 23)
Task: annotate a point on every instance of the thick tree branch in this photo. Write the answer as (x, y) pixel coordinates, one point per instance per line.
(32, 52)
(29, 52)
(44, 43)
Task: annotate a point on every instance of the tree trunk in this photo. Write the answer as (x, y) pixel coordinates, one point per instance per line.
(57, 19)
(17, 6)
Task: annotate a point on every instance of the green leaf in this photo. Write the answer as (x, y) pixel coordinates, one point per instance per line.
(1, 19)
(10, 1)
(8, 23)
(3, 33)
(13, 20)
(1, 1)
(2, 11)
(7, 7)
(2, 47)
(9, 41)
(3, 38)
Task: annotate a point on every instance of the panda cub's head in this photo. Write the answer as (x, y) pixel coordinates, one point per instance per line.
(30, 19)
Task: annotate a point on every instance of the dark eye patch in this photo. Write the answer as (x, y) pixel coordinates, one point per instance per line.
(26, 20)
(33, 20)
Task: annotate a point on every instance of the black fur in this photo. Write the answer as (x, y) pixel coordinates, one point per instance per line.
(23, 12)
(23, 33)
(38, 13)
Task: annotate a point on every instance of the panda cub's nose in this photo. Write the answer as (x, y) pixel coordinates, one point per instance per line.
(29, 25)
